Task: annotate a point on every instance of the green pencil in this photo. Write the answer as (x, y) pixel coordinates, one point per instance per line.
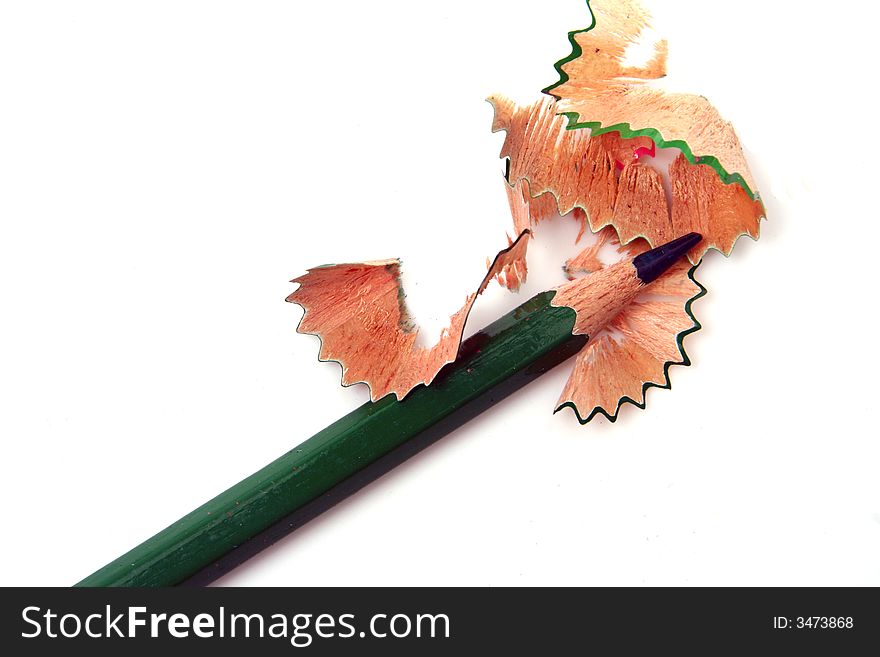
(363, 445)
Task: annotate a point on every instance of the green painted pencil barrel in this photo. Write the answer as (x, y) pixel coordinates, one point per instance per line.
(492, 364)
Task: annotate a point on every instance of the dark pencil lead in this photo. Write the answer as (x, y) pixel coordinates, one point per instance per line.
(650, 265)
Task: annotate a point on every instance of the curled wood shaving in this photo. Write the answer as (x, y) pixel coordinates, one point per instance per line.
(588, 261)
(610, 179)
(701, 202)
(358, 312)
(527, 211)
(598, 89)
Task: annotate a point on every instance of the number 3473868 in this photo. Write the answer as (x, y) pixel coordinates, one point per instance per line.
(814, 622)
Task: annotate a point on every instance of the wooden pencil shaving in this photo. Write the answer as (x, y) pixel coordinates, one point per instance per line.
(588, 260)
(359, 313)
(613, 181)
(598, 88)
(701, 202)
(527, 211)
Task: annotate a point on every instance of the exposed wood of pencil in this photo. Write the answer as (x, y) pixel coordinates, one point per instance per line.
(372, 439)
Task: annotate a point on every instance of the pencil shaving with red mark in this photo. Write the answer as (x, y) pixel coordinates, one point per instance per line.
(608, 178)
(599, 89)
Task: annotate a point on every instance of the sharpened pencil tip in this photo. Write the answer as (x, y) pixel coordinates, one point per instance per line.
(650, 265)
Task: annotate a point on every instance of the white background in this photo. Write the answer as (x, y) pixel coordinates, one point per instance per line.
(167, 167)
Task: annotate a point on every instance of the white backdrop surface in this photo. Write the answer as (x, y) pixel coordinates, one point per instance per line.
(167, 167)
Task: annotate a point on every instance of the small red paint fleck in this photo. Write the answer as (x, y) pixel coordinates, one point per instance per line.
(650, 152)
